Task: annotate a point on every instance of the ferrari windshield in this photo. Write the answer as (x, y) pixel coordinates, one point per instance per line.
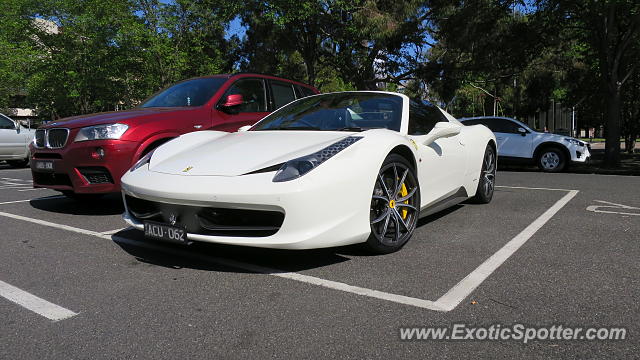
(195, 92)
(347, 111)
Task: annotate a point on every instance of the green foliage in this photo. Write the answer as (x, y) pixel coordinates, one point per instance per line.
(473, 57)
(77, 57)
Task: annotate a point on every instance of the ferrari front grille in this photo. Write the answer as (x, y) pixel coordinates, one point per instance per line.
(208, 220)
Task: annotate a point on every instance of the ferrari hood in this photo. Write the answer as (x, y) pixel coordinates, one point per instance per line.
(212, 153)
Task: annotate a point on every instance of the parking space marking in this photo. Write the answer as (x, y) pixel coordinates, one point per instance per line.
(335, 285)
(466, 286)
(111, 232)
(532, 188)
(27, 200)
(427, 304)
(611, 205)
(31, 302)
(55, 225)
(445, 303)
(13, 179)
(20, 185)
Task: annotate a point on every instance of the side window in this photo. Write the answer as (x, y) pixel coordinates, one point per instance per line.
(282, 93)
(253, 93)
(6, 123)
(504, 126)
(423, 117)
(472, 122)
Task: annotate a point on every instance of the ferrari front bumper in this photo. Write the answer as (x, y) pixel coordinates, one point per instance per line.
(318, 211)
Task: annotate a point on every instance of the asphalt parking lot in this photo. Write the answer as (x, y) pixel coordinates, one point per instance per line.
(550, 249)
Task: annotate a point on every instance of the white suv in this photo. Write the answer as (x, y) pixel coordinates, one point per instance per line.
(14, 142)
(518, 143)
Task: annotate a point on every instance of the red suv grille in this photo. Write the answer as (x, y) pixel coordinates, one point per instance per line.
(56, 138)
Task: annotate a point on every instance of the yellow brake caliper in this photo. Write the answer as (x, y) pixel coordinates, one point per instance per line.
(404, 192)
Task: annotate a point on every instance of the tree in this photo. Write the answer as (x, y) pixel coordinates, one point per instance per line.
(611, 28)
(480, 50)
(16, 49)
(363, 42)
(93, 56)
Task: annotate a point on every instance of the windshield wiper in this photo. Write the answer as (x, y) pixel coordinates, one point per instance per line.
(353, 128)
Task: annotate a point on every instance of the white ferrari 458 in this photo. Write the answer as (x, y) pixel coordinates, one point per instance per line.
(326, 170)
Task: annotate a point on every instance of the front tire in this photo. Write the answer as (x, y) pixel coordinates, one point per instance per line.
(487, 181)
(552, 159)
(395, 206)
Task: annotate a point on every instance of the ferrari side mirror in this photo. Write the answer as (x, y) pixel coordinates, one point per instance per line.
(441, 130)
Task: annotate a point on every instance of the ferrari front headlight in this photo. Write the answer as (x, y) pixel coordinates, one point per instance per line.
(102, 132)
(295, 168)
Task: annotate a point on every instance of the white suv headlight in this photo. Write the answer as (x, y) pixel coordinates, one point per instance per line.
(102, 132)
(575, 142)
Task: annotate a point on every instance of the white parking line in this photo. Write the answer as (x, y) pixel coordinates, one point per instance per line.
(111, 232)
(531, 188)
(611, 205)
(466, 286)
(36, 199)
(447, 302)
(14, 179)
(31, 302)
(54, 225)
(427, 304)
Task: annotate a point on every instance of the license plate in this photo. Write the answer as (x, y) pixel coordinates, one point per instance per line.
(165, 232)
(44, 165)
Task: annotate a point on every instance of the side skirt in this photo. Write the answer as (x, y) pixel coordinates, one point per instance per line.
(516, 160)
(445, 202)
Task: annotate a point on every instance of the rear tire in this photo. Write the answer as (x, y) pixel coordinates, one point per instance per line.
(395, 206)
(487, 181)
(552, 159)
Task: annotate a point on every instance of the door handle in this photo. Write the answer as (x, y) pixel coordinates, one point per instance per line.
(197, 126)
(499, 138)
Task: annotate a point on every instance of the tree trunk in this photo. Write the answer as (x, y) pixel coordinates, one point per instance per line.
(612, 139)
(310, 63)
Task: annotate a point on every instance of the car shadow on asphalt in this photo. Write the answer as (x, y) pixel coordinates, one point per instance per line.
(216, 257)
(106, 205)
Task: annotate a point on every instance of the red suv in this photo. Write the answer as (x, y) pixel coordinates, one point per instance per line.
(88, 154)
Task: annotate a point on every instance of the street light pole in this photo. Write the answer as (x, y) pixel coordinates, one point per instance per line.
(573, 121)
